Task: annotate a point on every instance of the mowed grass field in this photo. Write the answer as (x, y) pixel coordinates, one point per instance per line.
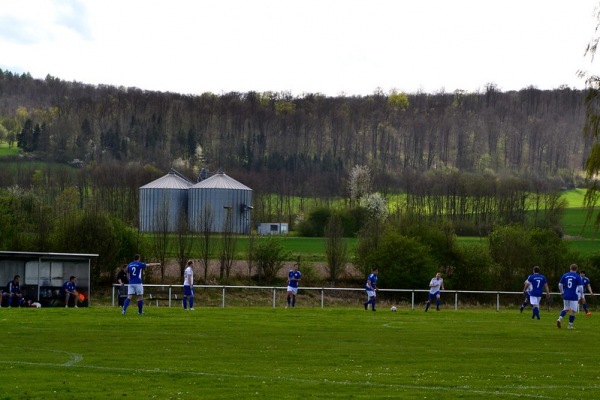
(267, 353)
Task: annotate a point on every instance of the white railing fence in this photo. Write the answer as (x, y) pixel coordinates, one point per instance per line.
(273, 296)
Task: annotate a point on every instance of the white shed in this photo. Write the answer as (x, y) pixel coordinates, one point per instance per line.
(272, 228)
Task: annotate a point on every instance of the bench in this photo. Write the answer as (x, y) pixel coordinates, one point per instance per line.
(155, 295)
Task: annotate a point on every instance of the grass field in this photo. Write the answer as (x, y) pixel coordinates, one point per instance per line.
(254, 352)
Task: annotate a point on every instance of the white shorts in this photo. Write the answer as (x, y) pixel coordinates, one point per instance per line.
(294, 290)
(535, 301)
(371, 293)
(135, 288)
(571, 305)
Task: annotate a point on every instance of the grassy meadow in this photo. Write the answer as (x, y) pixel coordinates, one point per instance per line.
(277, 353)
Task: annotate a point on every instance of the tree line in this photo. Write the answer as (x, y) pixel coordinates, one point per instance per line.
(304, 145)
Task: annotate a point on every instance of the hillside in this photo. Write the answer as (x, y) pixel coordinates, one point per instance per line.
(303, 146)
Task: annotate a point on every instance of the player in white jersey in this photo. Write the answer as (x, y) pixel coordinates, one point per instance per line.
(188, 286)
(435, 285)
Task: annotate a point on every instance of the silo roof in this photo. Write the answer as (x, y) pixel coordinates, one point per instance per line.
(169, 181)
(220, 181)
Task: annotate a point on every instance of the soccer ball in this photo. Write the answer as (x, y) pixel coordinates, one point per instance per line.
(393, 308)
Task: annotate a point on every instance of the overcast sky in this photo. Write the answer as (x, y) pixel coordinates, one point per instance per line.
(332, 47)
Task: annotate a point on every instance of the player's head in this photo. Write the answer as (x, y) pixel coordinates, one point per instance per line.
(573, 267)
(536, 270)
(124, 266)
(16, 278)
(375, 271)
(190, 263)
(73, 278)
(438, 275)
(582, 273)
(136, 257)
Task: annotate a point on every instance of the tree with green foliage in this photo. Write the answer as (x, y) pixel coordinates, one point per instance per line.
(403, 262)
(474, 268)
(516, 249)
(270, 255)
(95, 232)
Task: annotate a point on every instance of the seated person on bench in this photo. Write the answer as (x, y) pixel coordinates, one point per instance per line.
(13, 293)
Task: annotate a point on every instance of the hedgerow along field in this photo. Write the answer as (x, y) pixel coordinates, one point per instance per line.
(267, 353)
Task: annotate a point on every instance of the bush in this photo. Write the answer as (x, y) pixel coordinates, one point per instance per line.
(270, 255)
(403, 262)
(474, 269)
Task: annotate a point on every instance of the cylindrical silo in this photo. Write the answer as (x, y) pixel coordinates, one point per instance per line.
(212, 201)
(163, 203)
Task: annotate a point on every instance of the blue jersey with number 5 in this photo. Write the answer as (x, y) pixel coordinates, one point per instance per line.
(570, 281)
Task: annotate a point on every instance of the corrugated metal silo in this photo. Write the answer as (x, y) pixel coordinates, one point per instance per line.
(219, 196)
(162, 203)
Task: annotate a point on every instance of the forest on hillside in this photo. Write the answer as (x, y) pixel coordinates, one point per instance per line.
(302, 146)
(464, 163)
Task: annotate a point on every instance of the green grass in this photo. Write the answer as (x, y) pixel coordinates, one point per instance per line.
(341, 353)
(5, 150)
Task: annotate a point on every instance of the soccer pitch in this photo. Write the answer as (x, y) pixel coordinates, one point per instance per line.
(254, 352)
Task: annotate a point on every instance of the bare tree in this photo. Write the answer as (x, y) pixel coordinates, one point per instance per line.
(336, 249)
(184, 241)
(251, 252)
(160, 237)
(228, 245)
(205, 223)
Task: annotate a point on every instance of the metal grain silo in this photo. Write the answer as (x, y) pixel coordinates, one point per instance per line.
(216, 198)
(163, 203)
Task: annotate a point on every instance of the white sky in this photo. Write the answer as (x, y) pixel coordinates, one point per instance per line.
(332, 47)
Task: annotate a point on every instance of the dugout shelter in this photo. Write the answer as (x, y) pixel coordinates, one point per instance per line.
(43, 274)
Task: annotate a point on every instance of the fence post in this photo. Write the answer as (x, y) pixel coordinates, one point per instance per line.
(456, 300)
(274, 296)
(412, 300)
(223, 298)
(113, 295)
(170, 289)
(322, 297)
(498, 301)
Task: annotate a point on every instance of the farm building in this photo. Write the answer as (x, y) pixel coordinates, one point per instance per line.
(272, 228)
(220, 204)
(43, 274)
(163, 203)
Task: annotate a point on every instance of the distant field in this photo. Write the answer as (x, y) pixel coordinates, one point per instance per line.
(266, 353)
(5, 150)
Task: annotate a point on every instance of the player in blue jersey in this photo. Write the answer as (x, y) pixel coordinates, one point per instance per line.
(586, 287)
(536, 284)
(12, 292)
(294, 277)
(570, 287)
(526, 301)
(435, 285)
(135, 270)
(371, 289)
(69, 290)
(188, 286)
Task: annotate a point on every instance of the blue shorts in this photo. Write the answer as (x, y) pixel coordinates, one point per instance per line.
(433, 296)
(188, 290)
